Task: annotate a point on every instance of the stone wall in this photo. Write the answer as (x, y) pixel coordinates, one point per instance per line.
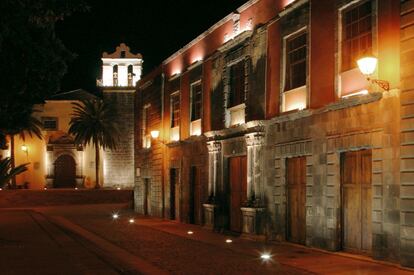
(407, 134)
(367, 122)
(149, 161)
(119, 163)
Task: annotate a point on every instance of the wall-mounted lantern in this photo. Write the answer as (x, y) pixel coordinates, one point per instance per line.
(155, 134)
(25, 148)
(367, 66)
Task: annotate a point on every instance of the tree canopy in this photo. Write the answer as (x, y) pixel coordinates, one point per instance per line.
(32, 59)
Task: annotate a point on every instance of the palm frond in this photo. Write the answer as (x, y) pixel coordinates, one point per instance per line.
(94, 122)
(7, 173)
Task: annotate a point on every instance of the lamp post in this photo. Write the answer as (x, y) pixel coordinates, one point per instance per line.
(367, 66)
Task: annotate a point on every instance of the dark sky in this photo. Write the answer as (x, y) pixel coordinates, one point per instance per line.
(156, 29)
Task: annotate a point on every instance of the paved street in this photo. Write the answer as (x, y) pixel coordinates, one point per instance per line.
(86, 240)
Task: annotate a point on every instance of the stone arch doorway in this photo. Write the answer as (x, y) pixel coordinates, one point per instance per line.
(65, 172)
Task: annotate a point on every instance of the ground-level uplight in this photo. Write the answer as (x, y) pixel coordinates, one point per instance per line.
(45, 188)
(118, 188)
(229, 241)
(131, 220)
(190, 232)
(265, 256)
(115, 216)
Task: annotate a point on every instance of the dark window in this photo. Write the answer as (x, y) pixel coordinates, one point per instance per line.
(175, 110)
(115, 75)
(130, 75)
(122, 54)
(49, 123)
(196, 101)
(357, 34)
(237, 84)
(146, 118)
(296, 51)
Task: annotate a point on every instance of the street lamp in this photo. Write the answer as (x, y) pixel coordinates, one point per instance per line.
(367, 66)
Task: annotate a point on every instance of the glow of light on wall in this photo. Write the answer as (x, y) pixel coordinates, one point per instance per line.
(175, 134)
(107, 76)
(196, 59)
(46, 159)
(295, 99)
(287, 2)
(104, 166)
(122, 75)
(176, 72)
(195, 128)
(362, 92)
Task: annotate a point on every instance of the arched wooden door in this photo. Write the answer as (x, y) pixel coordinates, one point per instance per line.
(65, 172)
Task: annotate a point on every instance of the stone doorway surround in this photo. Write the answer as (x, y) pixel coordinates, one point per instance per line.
(59, 145)
(246, 139)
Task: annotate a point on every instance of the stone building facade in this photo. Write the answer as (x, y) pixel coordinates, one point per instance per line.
(295, 144)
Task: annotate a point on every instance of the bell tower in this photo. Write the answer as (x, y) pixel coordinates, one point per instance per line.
(120, 72)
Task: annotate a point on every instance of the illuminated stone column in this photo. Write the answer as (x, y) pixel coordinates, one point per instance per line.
(255, 174)
(214, 164)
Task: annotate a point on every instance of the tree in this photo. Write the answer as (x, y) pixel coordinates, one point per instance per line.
(31, 126)
(94, 122)
(7, 172)
(32, 59)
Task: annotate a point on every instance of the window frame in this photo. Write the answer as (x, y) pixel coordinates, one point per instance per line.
(231, 104)
(49, 118)
(192, 103)
(288, 66)
(339, 38)
(173, 95)
(146, 134)
(342, 31)
(296, 33)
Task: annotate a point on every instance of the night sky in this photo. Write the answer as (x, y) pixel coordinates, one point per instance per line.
(156, 29)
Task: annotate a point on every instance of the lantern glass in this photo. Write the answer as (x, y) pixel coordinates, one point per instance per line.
(367, 65)
(155, 134)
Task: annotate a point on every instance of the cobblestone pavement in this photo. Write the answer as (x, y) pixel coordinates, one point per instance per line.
(168, 246)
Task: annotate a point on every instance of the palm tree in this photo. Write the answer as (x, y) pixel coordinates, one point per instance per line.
(94, 122)
(7, 172)
(31, 126)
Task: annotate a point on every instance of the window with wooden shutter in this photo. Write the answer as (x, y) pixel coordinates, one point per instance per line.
(356, 34)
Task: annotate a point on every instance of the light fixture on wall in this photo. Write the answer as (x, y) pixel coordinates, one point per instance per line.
(25, 149)
(367, 66)
(155, 134)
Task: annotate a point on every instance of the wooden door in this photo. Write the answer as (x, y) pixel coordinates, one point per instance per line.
(174, 194)
(238, 190)
(147, 196)
(296, 196)
(65, 172)
(356, 201)
(194, 196)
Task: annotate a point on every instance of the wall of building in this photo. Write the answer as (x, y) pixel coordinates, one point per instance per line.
(40, 163)
(323, 132)
(118, 164)
(366, 123)
(407, 135)
(149, 161)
